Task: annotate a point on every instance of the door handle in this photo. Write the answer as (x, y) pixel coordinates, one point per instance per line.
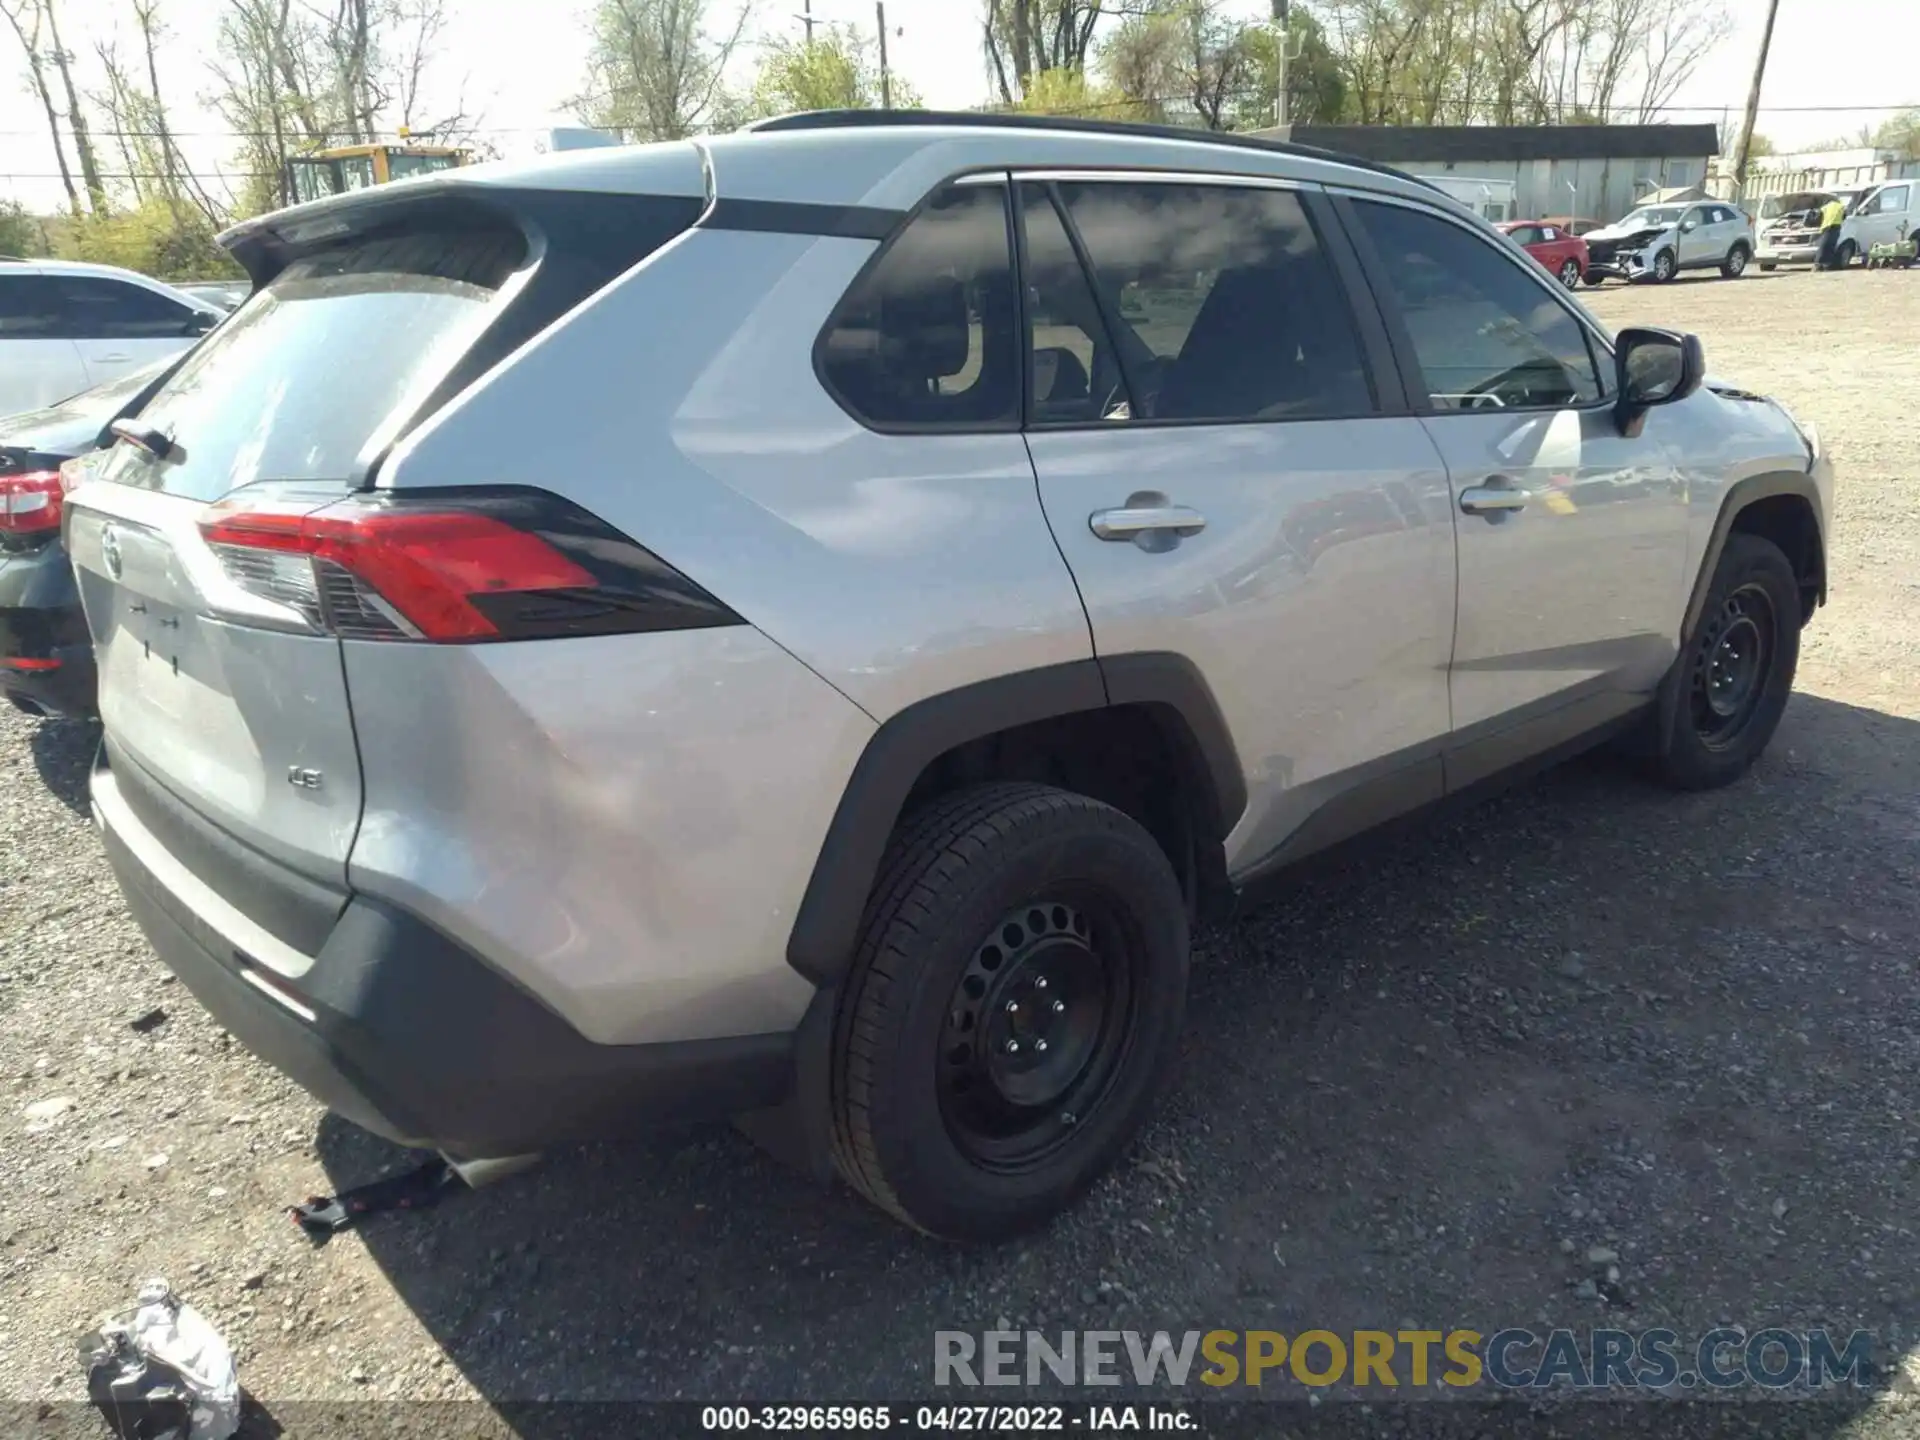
(1140, 522)
(1493, 499)
(114, 359)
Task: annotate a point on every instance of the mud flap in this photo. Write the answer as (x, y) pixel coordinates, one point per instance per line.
(798, 1131)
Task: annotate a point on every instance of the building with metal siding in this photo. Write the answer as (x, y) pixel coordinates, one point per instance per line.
(1597, 171)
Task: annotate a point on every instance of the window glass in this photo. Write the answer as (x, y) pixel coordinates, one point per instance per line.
(1076, 375)
(1486, 333)
(1891, 200)
(401, 165)
(29, 308)
(1527, 234)
(356, 172)
(1225, 306)
(302, 376)
(926, 337)
(101, 309)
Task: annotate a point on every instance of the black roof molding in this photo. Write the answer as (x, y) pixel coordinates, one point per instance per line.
(1491, 143)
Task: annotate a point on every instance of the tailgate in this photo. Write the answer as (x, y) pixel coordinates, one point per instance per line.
(203, 705)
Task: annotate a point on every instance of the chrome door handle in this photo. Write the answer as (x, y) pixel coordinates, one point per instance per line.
(114, 359)
(1493, 499)
(1128, 522)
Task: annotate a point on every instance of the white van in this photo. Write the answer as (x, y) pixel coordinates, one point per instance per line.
(1884, 216)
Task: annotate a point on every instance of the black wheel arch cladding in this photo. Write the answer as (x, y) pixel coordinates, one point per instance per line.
(1167, 687)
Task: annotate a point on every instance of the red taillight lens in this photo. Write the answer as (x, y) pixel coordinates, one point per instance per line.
(454, 566)
(30, 503)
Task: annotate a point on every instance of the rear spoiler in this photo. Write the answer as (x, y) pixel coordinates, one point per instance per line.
(267, 244)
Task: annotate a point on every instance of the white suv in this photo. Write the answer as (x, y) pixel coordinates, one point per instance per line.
(67, 327)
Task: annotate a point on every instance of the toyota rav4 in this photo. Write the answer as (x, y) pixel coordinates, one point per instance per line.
(799, 624)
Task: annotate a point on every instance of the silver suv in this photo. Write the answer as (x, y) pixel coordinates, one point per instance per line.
(800, 623)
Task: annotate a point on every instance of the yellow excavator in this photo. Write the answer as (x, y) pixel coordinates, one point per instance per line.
(354, 167)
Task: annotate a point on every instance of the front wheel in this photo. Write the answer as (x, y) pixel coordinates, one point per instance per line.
(1665, 267)
(1740, 663)
(1767, 267)
(1735, 265)
(1595, 279)
(1014, 1005)
(1570, 274)
(1846, 255)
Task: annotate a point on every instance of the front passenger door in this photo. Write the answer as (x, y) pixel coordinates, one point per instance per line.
(1572, 537)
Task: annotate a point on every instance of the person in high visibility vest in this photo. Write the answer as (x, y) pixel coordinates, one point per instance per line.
(1831, 214)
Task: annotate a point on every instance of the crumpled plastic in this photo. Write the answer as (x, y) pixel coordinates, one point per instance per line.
(161, 1370)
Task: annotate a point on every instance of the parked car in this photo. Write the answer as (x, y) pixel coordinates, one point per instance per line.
(1560, 253)
(65, 326)
(225, 295)
(1576, 225)
(46, 659)
(1657, 242)
(1883, 216)
(839, 715)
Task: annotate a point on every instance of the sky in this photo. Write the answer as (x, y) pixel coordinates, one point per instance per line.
(520, 62)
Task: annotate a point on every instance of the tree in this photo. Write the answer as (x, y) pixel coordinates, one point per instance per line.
(1025, 39)
(20, 234)
(76, 113)
(1316, 82)
(1901, 133)
(834, 71)
(28, 21)
(655, 67)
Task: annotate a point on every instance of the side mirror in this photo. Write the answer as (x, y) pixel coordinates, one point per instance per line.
(202, 322)
(1654, 367)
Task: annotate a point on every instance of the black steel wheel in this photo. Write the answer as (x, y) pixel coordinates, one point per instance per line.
(1730, 666)
(1039, 1024)
(1735, 672)
(1014, 1003)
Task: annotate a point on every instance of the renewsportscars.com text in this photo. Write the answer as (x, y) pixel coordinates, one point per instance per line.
(1407, 1360)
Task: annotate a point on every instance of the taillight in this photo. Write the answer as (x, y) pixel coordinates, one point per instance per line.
(30, 503)
(454, 566)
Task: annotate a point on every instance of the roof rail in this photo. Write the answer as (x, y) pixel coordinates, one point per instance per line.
(1013, 120)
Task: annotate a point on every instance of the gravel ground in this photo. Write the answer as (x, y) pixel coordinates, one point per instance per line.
(1590, 1016)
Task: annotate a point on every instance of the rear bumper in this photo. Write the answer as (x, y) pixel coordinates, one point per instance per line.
(399, 1029)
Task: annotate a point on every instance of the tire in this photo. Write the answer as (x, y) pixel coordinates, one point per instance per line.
(1570, 274)
(1735, 265)
(1727, 713)
(1665, 267)
(1845, 256)
(1005, 913)
(1594, 280)
(1767, 267)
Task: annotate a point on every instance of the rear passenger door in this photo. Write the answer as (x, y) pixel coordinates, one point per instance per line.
(38, 363)
(1572, 536)
(1235, 481)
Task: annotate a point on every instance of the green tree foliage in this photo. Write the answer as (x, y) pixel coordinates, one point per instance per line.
(20, 233)
(168, 242)
(1901, 133)
(838, 70)
(654, 67)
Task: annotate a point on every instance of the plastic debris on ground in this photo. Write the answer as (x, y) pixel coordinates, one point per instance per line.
(160, 1371)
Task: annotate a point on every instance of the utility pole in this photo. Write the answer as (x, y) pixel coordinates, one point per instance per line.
(1282, 42)
(806, 18)
(1745, 145)
(886, 80)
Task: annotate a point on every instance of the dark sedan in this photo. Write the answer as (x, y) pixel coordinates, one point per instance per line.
(46, 658)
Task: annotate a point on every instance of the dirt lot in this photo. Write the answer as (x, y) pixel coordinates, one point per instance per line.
(1590, 1014)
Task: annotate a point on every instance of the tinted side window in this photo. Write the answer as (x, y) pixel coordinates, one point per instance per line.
(1225, 306)
(29, 308)
(101, 309)
(1487, 334)
(1076, 373)
(926, 338)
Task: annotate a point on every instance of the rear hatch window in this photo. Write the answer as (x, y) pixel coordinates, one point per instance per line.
(329, 356)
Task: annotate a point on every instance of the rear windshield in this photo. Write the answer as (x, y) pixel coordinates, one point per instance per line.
(294, 385)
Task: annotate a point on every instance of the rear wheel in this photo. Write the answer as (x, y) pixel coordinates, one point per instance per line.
(1735, 265)
(1740, 663)
(1595, 279)
(1570, 274)
(1014, 1004)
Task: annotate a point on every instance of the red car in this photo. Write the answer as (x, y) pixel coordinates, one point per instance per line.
(1563, 254)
